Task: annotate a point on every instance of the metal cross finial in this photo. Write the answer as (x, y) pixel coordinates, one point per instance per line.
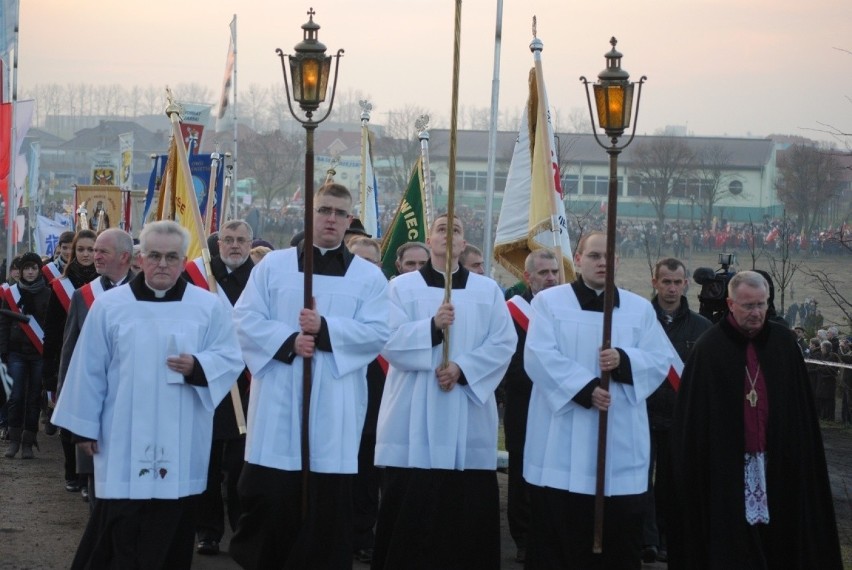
(534, 27)
(613, 41)
(311, 13)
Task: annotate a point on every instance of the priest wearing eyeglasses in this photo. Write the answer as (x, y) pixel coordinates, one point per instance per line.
(749, 470)
(338, 338)
(152, 361)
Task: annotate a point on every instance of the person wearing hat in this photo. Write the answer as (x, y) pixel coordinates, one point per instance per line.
(355, 229)
(20, 350)
(800, 339)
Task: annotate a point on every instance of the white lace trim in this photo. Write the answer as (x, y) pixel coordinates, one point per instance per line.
(756, 502)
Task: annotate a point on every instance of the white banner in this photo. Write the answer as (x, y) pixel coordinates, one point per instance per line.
(47, 235)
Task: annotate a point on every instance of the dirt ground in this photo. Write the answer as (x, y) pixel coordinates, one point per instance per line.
(41, 523)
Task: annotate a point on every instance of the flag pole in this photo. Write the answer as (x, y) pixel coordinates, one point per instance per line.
(487, 246)
(422, 126)
(366, 107)
(536, 46)
(11, 190)
(173, 111)
(235, 214)
(451, 186)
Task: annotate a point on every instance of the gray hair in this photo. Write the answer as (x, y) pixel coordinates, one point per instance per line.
(529, 263)
(237, 224)
(164, 227)
(749, 278)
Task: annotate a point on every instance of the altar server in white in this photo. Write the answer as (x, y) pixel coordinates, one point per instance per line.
(564, 360)
(152, 361)
(437, 430)
(342, 335)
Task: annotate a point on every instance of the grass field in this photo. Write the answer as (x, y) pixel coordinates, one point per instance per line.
(634, 274)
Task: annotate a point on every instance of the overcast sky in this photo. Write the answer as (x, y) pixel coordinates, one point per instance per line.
(718, 67)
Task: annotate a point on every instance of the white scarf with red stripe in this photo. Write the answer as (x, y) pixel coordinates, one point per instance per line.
(520, 310)
(63, 289)
(32, 329)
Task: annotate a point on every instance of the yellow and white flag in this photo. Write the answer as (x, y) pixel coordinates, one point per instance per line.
(532, 202)
(177, 197)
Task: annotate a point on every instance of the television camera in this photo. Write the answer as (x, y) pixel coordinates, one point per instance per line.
(714, 287)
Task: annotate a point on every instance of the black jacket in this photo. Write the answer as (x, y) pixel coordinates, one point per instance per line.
(518, 388)
(683, 329)
(232, 284)
(12, 336)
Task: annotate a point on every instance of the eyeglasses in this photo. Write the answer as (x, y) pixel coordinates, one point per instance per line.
(156, 257)
(231, 241)
(753, 306)
(326, 211)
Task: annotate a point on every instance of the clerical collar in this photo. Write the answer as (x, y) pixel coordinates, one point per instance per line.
(332, 262)
(143, 292)
(324, 250)
(589, 299)
(435, 278)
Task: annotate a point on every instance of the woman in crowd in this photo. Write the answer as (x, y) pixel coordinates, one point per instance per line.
(79, 271)
(20, 350)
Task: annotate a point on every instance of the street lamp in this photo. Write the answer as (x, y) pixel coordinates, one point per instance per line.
(614, 102)
(309, 69)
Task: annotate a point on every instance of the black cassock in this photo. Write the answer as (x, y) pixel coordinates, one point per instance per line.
(708, 524)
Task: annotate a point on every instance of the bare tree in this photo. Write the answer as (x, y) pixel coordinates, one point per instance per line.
(578, 120)
(275, 161)
(754, 243)
(712, 168)
(347, 108)
(579, 226)
(153, 100)
(192, 92)
(782, 268)
(658, 164)
(808, 177)
(49, 101)
(475, 118)
(254, 103)
(400, 145)
(835, 287)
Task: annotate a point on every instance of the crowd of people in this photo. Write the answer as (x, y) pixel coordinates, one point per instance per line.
(358, 420)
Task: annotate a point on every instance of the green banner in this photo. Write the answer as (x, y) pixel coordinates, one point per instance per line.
(409, 222)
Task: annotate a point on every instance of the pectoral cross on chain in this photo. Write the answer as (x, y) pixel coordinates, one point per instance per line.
(752, 398)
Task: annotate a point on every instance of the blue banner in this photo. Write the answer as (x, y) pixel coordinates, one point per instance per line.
(199, 166)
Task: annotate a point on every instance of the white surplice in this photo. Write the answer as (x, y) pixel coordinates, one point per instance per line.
(356, 311)
(420, 425)
(561, 358)
(153, 430)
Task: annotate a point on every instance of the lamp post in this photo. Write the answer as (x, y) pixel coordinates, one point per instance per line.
(309, 70)
(614, 102)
